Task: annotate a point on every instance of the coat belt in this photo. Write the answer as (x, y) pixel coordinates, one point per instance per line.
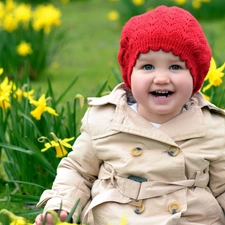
(126, 190)
(149, 189)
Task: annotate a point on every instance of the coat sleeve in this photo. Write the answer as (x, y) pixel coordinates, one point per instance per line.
(75, 175)
(217, 179)
(217, 168)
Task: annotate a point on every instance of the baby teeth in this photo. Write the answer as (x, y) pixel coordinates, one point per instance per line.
(162, 92)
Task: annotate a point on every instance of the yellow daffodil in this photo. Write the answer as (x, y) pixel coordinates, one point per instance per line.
(29, 94)
(10, 23)
(180, 2)
(23, 12)
(20, 221)
(46, 16)
(24, 48)
(206, 97)
(113, 15)
(196, 4)
(138, 2)
(10, 5)
(1, 71)
(5, 91)
(2, 10)
(19, 93)
(214, 75)
(123, 221)
(15, 220)
(41, 107)
(81, 100)
(58, 144)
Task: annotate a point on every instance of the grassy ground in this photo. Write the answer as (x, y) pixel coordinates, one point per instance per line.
(91, 51)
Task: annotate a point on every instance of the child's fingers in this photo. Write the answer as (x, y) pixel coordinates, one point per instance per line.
(63, 215)
(39, 219)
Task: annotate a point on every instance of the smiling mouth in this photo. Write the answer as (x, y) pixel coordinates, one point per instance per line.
(161, 94)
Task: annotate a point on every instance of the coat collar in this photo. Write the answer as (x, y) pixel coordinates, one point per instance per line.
(189, 124)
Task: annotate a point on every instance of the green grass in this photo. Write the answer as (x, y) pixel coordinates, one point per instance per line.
(214, 32)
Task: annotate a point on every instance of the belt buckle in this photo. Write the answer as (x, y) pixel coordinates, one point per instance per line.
(137, 179)
(138, 204)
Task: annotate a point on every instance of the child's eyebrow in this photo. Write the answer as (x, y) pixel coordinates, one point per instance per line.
(175, 61)
(145, 57)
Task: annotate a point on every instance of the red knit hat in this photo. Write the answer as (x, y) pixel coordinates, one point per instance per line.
(170, 29)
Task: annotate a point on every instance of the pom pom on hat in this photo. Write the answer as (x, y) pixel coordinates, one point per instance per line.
(170, 29)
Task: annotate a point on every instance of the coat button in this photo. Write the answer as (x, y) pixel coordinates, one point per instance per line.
(174, 207)
(136, 151)
(140, 209)
(173, 151)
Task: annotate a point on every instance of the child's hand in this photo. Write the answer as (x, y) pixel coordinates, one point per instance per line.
(49, 218)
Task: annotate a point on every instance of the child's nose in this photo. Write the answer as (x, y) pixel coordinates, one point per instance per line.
(161, 78)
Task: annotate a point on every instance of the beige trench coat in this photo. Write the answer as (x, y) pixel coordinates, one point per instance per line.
(121, 165)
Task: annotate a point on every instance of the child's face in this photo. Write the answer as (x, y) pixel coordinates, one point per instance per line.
(161, 84)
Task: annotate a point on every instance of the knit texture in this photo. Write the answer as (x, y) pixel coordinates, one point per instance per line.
(170, 29)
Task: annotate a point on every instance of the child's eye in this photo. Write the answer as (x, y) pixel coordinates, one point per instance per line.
(175, 67)
(148, 67)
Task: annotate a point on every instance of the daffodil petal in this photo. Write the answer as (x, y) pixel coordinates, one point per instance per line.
(66, 145)
(68, 139)
(212, 64)
(51, 111)
(47, 146)
(220, 69)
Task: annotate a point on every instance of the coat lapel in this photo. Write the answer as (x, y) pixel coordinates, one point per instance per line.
(127, 120)
(189, 124)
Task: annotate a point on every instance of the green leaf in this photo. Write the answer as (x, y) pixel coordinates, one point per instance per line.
(66, 90)
(101, 89)
(16, 148)
(68, 218)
